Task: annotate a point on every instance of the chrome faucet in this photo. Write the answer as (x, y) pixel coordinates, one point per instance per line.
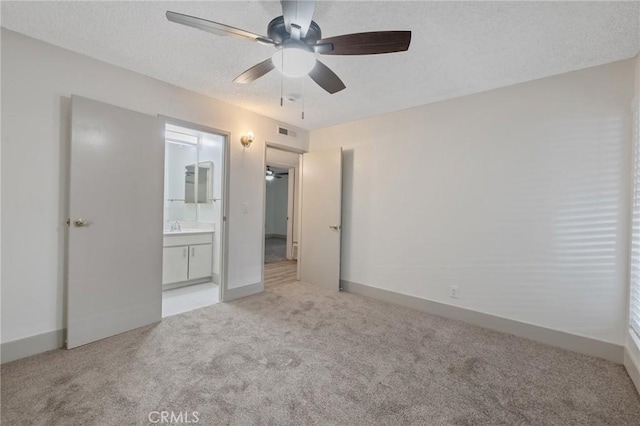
(175, 227)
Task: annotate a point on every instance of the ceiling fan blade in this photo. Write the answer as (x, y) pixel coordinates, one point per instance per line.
(372, 43)
(326, 78)
(255, 72)
(299, 13)
(216, 28)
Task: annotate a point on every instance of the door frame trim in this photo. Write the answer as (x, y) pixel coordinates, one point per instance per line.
(224, 228)
(282, 147)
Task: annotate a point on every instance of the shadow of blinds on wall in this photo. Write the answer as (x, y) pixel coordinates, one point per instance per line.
(634, 299)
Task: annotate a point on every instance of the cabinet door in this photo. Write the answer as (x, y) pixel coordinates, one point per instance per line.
(200, 261)
(175, 264)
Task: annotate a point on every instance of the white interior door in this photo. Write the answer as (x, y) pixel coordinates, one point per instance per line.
(321, 216)
(115, 234)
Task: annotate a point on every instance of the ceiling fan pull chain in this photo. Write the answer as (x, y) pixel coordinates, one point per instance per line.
(303, 97)
(282, 82)
(281, 101)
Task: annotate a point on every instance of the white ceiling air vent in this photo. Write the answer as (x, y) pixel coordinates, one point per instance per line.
(286, 132)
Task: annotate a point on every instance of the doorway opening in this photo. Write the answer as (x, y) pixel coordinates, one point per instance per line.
(194, 218)
(281, 213)
(276, 215)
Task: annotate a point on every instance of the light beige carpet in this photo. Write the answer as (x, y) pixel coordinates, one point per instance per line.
(299, 355)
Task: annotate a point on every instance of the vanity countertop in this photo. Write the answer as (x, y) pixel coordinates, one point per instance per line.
(188, 231)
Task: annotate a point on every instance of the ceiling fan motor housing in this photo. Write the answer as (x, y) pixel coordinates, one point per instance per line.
(277, 31)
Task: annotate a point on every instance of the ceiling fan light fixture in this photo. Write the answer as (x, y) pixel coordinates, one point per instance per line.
(294, 61)
(269, 174)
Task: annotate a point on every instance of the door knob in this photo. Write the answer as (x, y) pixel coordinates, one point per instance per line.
(336, 227)
(81, 222)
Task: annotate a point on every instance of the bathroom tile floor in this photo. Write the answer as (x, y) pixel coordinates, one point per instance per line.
(185, 299)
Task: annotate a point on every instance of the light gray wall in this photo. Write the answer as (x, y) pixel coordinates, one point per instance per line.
(518, 196)
(37, 81)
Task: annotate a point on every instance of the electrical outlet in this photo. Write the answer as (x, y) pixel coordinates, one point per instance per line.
(453, 291)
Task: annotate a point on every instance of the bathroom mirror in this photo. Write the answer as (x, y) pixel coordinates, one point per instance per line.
(204, 188)
(177, 157)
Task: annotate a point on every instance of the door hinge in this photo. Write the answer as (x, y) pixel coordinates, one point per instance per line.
(68, 222)
(224, 218)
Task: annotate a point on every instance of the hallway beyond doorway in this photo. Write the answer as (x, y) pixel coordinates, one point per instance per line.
(275, 249)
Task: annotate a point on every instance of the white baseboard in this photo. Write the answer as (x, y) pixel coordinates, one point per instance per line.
(561, 339)
(180, 284)
(632, 358)
(33, 345)
(245, 290)
(280, 236)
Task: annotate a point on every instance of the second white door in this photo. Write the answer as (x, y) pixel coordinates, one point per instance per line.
(321, 218)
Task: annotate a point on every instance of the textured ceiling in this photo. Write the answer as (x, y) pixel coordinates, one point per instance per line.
(458, 48)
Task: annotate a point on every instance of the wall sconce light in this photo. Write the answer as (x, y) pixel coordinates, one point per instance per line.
(247, 139)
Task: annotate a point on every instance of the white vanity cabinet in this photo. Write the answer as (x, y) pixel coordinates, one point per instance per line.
(187, 256)
(200, 261)
(175, 264)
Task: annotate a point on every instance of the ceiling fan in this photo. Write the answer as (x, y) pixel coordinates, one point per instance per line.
(270, 174)
(298, 39)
